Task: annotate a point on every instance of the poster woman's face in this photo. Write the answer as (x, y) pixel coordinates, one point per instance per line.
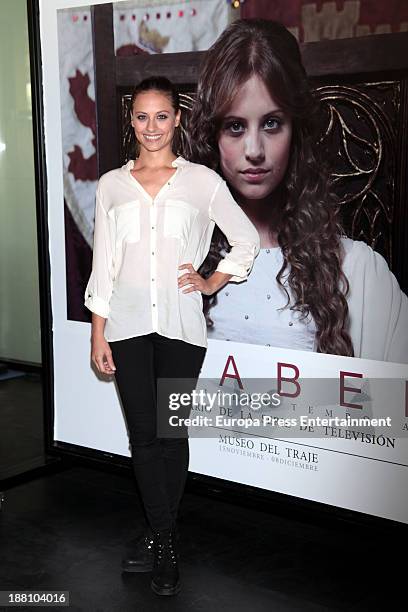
(154, 120)
(254, 141)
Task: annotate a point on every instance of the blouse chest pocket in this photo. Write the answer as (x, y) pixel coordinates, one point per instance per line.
(127, 222)
(178, 219)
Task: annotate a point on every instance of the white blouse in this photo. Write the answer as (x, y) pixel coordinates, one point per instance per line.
(139, 243)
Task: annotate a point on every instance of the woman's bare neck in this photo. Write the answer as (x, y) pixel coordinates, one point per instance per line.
(154, 160)
(260, 213)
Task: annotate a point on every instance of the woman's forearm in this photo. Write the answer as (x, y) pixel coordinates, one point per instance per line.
(98, 325)
(218, 280)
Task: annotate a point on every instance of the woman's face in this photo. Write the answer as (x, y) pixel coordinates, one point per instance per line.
(254, 141)
(154, 120)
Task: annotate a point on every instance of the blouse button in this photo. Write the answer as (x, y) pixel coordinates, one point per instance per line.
(268, 250)
(226, 293)
(290, 323)
(268, 297)
(152, 252)
(246, 316)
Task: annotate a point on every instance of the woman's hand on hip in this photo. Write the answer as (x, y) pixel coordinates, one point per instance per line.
(101, 355)
(198, 283)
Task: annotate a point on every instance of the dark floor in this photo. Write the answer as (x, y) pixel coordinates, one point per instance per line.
(67, 531)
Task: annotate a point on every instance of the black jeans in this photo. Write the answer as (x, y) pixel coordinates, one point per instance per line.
(160, 464)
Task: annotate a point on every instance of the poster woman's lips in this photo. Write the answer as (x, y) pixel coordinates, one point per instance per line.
(255, 171)
(254, 175)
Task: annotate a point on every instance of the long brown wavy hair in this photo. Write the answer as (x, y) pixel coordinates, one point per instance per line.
(304, 212)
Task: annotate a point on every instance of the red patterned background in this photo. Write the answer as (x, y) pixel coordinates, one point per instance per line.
(323, 19)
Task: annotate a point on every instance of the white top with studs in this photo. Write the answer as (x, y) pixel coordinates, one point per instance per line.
(378, 309)
(249, 312)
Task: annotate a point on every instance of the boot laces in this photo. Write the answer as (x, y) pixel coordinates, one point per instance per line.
(165, 549)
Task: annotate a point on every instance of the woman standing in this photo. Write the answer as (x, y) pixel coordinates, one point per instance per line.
(153, 225)
(256, 122)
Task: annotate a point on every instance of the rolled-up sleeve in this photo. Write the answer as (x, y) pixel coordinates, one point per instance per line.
(239, 231)
(99, 288)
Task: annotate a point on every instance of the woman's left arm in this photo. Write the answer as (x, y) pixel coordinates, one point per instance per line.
(239, 231)
(241, 235)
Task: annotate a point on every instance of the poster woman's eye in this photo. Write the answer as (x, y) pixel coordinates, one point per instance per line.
(141, 117)
(234, 127)
(272, 124)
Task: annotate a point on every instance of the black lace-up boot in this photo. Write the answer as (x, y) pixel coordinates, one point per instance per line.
(165, 578)
(141, 557)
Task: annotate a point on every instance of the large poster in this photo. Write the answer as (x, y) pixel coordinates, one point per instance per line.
(356, 315)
